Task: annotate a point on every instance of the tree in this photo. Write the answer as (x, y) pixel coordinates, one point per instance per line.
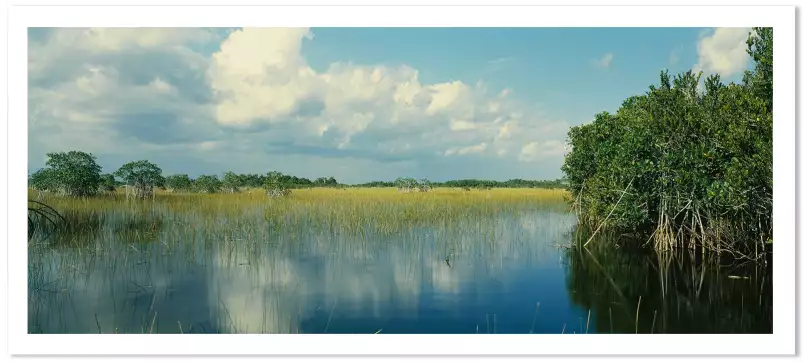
(142, 176)
(72, 173)
(178, 183)
(424, 185)
(406, 184)
(231, 182)
(107, 183)
(275, 186)
(42, 180)
(207, 184)
(682, 167)
(759, 47)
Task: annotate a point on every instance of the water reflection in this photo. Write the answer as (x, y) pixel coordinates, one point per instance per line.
(631, 291)
(502, 275)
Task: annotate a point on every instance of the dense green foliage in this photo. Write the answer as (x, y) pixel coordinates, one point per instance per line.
(207, 184)
(108, 183)
(71, 173)
(149, 175)
(682, 166)
(142, 176)
(178, 183)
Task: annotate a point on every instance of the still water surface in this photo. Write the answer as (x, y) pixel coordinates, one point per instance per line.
(508, 274)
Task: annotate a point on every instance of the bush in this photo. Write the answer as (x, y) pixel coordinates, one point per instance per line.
(685, 167)
(72, 173)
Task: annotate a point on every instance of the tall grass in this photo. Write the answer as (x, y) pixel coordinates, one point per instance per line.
(352, 211)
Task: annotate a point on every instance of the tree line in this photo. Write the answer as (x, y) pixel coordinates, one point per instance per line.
(474, 183)
(683, 165)
(76, 173)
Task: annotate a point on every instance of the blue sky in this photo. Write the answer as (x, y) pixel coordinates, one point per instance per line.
(358, 104)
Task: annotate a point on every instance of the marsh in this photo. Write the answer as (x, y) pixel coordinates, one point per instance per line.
(369, 261)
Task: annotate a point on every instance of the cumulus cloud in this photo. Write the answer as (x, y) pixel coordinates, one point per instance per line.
(724, 51)
(248, 98)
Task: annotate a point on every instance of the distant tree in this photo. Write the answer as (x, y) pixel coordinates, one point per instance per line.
(275, 185)
(252, 180)
(207, 184)
(72, 173)
(231, 182)
(407, 184)
(424, 185)
(142, 176)
(178, 183)
(107, 183)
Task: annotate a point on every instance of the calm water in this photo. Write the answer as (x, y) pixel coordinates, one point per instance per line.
(502, 275)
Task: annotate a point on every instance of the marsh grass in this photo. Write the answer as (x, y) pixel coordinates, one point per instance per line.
(131, 256)
(353, 211)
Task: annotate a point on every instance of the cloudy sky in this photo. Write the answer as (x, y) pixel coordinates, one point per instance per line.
(358, 104)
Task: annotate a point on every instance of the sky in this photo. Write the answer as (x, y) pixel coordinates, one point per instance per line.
(357, 104)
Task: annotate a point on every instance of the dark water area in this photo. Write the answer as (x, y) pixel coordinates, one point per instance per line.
(509, 274)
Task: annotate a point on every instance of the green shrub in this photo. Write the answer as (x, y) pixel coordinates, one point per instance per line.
(683, 165)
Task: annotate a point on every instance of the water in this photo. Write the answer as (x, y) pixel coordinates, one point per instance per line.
(506, 274)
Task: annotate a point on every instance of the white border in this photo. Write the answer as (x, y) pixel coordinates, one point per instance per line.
(784, 317)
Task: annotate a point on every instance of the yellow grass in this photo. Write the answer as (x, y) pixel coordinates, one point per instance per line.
(383, 209)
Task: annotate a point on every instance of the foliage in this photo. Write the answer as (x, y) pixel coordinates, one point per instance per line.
(232, 182)
(142, 175)
(325, 181)
(107, 183)
(406, 184)
(72, 173)
(276, 186)
(424, 185)
(43, 180)
(207, 184)
(684, 167)
(760, 49)
(180, 183)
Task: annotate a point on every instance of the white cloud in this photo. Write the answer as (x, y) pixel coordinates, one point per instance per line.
(539, 150)
(255, 98)
(161, 86)
(259, 74)
(498, 64)
(723, 52)
(605, 61)
(466, 150)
